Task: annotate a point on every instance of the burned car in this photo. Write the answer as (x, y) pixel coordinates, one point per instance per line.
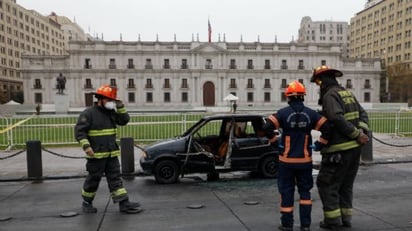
(216, 143)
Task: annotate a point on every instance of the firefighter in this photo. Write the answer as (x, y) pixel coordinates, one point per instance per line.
(341, 157)
(295, 160)
(96, 132)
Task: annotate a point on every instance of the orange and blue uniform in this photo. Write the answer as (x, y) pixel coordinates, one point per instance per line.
(295, 161)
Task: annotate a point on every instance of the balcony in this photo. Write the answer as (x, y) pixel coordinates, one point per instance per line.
(284, 67)
(250, 67)
(131, 85)
(149, 86)
(233, 85)
(183, 66)
(88, 86)
(87, 66)
(367, 86)
(37, 86)
(267, 85)
(267, 66)
(349, 86)
(130, 66)
(301, 67)
(250, 85)
(112, 66)
(208, 66)
(148, 66)
(166, 66)
(233, 66)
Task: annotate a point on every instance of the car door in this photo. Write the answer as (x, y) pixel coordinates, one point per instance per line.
(247, 145)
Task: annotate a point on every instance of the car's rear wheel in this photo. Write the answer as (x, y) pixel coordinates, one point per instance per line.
(166, 172)
(268, 168)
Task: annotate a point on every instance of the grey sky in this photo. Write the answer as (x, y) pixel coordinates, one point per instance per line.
(249, 18)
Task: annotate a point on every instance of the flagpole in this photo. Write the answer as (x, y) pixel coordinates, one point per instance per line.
(209, 30)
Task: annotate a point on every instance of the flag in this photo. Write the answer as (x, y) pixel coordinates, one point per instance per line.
(209, 30)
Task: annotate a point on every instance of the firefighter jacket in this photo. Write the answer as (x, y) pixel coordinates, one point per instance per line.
(96, 128)
(346, 117)
(297, 121)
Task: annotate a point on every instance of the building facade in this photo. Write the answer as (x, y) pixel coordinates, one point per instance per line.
(192, 74)
(324, 32)
(384, 30)
(24, 31)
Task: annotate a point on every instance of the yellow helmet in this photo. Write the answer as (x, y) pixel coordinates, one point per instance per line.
(324, 70)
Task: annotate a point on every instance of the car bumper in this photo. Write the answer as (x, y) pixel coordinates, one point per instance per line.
(146, 165)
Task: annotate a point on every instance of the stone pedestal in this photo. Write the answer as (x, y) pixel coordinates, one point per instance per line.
(61, 102)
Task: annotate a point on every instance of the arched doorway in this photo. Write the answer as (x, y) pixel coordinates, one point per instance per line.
(208, 94)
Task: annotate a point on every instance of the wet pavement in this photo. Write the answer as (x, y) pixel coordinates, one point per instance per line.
(383, 197)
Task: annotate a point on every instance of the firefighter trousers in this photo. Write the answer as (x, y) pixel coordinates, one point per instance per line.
(335, 185)
(290, 176)
(110, 167)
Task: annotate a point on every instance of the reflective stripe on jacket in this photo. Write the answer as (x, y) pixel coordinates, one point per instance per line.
(96, 127)
(346, 116)
(297, 122)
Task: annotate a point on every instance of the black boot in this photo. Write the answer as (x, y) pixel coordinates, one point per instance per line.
(129, 207)
(325, 225)
(88, 207)
(285, 228)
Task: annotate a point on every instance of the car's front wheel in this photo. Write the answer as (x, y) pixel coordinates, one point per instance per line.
(166, 172)
(268, 168)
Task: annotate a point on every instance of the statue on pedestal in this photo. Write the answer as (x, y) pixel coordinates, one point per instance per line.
(61, 83)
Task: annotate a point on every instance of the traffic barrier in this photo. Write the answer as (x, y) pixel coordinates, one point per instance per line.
(127, 157)
(34, 160)
(367, 150)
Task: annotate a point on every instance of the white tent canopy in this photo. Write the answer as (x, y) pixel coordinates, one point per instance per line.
(12, 102)
(231, 97)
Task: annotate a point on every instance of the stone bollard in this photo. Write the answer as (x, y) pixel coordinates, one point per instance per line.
(367, 150)
(34, 160)
(127, 157)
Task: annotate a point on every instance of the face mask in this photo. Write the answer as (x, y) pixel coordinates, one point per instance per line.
(109, 105)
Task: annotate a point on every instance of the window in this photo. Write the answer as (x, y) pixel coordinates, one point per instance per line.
(148, 64)
(166, 64)
(250, 97)
(348, 84)
(323, 62)
(184, 64)
(282, 97)
(37, 84)
(149, 97)
(367, 84)
(185, 97)
(232, 64)
(166, 83)
(232, 83)
(130, 64)
(267, 64)
(130, 83)
(208, 64)
(166, 97)
(266, 97)
(149, 83)
(113, 83)
(87, 64)
(250, 83)
(284, 64)
(88, 83)
(38, 98)
(367, 97)
(112, 64)
(301, 66)
(283, 84)
(131, 97)
(249, 64)
(267, 83)
(184, 83)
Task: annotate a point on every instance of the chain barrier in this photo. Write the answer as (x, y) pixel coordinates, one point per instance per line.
(12, 155)
(61, 155)
(141, 148)
(392, 145)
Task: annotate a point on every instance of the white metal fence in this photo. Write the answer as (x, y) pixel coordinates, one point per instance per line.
(59, 129)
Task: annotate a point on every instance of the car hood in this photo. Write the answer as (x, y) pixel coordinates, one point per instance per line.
(169, 146)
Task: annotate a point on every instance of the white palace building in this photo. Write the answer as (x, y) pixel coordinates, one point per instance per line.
(186, 75)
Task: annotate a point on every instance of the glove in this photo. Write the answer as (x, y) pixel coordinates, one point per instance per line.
(362, 138)
(119, 104)
(317, 146)
(89, 151)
